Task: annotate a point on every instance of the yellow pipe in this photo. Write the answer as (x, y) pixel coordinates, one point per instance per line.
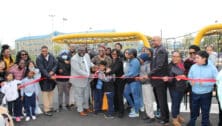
(82, 36)
(203, 31)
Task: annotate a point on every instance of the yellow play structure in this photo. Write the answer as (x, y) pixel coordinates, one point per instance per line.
(208, 30)
(93, 38)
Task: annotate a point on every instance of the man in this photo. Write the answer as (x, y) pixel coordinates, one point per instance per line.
(193, 49)
(80, 66)
(47, 65)
(159, 67)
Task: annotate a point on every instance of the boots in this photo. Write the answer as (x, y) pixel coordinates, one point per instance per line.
(175, 122)
(180, 119)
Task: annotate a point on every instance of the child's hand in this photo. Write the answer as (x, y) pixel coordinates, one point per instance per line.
(22, 98)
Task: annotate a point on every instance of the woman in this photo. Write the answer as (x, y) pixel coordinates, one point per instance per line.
(201, 91)
(177, 87)
(23, 54)
(117, 69)
(6, 56)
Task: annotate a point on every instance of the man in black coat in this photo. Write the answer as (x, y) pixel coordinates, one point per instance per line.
(47, 65)
(159, 67)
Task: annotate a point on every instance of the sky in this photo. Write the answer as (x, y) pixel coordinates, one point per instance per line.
(19, 18)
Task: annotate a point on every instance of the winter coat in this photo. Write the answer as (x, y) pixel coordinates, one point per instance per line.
(65, 68)
(45, 67)
(159, 65)
(174, 71)
(80, 66)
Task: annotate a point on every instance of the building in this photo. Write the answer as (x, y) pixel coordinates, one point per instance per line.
(33, 44)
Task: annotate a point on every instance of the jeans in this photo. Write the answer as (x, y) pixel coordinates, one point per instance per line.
(30, 104)
(135, 89)
(98, 99)
(203, 102)
(110, 98)
(176, 98)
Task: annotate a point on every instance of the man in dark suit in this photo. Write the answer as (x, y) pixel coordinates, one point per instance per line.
(159, 67)
(47, 65)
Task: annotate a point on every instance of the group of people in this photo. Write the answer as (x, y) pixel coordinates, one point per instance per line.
(85, 78)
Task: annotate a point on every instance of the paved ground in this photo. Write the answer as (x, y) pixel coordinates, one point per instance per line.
(72, 118)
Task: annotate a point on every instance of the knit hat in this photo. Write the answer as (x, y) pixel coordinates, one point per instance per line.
(144, 57)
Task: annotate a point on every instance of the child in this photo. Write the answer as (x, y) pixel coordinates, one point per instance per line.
(28, 94)
(10, 89)
(106, 82)
(32, 67)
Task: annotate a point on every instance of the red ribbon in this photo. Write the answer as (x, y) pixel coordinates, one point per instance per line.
(30, 83)
(82, 77)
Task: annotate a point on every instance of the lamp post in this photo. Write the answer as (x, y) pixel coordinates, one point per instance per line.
(63, 22)
(52, 20)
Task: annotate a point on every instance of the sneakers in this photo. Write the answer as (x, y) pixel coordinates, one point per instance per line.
(142, 109)
(27, 118)
(133, 115)
(132, 110)
(108, 116)
(157, 113)
(18, 119)
(34, 117)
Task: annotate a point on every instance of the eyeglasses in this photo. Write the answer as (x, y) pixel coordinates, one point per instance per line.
(192, 53)
(114, 54)
(101, 50)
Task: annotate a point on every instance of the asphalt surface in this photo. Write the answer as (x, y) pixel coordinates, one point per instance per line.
(72, 118)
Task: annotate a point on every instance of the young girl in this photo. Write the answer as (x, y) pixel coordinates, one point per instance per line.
(28, 94)
(32, 67)
(10, 89)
